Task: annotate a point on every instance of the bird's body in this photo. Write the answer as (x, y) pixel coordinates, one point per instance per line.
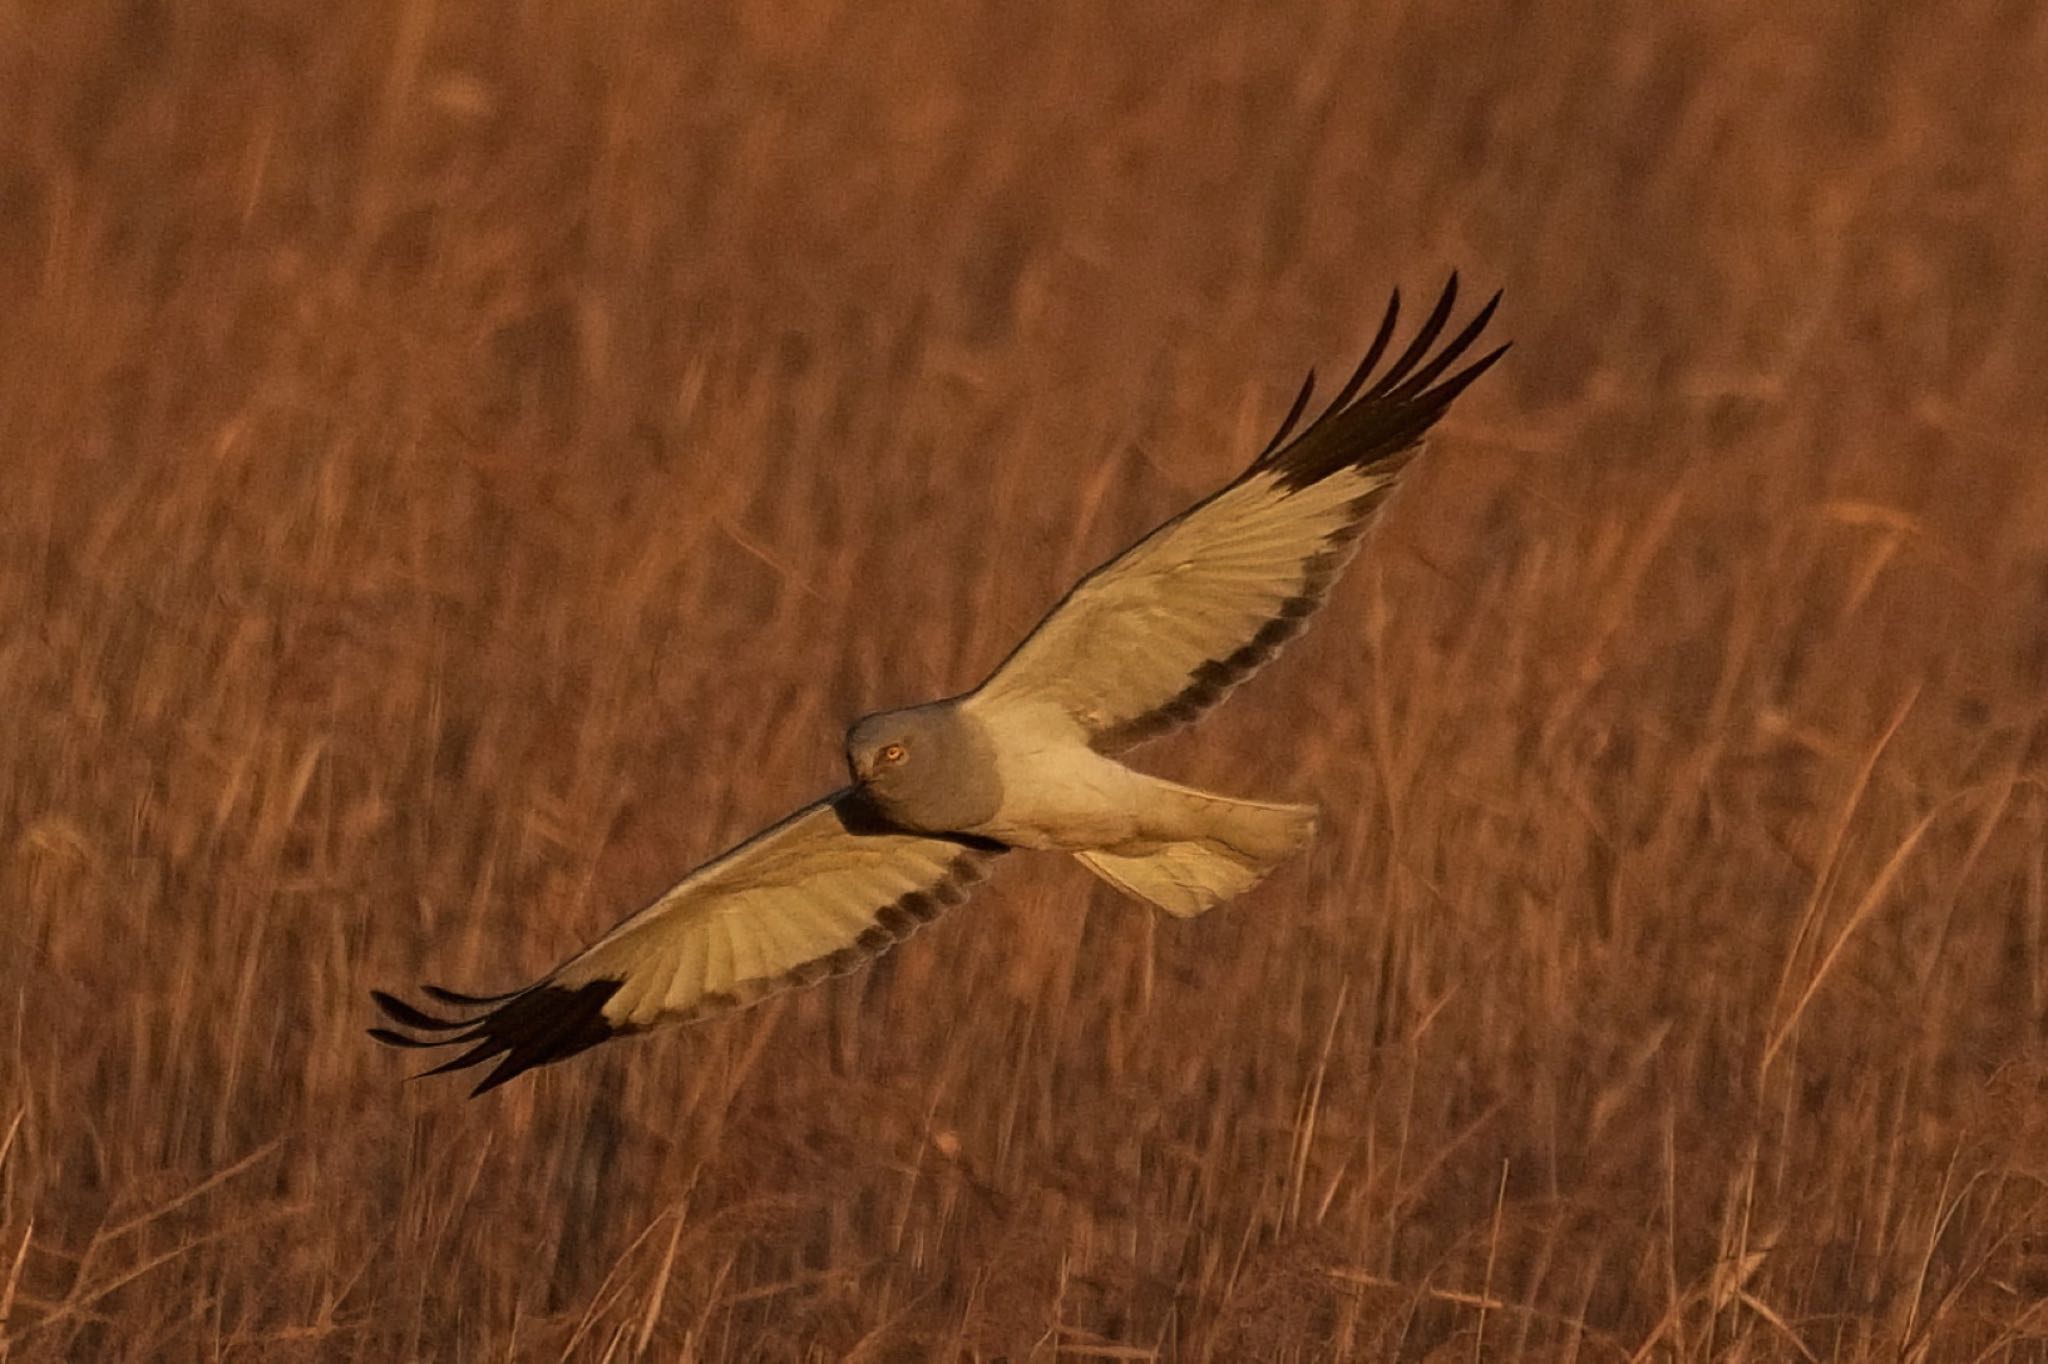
(1058, 794)
(1029, 759)
(1053, 792)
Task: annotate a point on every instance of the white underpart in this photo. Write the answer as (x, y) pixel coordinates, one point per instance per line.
(1058, 793)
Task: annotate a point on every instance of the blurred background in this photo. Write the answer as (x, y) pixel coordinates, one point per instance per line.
(463, 465)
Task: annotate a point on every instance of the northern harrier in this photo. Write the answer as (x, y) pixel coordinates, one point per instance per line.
(1025, 760)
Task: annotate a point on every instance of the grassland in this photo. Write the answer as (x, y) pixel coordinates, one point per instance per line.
(461, 465)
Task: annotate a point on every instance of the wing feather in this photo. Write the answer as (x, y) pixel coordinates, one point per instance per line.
(723, 970)
(815, 895)
(1163, 631)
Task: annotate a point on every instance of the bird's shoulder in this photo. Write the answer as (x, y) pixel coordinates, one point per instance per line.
(1015, 722)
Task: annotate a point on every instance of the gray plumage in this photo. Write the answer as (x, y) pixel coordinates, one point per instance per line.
(1028, 759)
(945, 777)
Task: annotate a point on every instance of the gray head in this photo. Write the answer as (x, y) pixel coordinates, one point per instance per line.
(928, 768)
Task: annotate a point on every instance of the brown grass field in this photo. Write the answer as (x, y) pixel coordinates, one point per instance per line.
(464, 464)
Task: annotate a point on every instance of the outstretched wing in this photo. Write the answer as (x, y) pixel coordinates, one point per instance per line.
(1158, 634)
(814, 896)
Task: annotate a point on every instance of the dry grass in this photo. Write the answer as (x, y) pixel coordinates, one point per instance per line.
(462, 466)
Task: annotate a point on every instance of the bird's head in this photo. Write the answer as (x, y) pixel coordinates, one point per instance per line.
(927, 768)
(881, 750)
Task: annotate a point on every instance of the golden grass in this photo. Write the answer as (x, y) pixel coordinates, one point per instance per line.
(463, 464)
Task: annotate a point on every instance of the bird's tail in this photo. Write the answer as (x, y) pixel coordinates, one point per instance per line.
(1204, 849)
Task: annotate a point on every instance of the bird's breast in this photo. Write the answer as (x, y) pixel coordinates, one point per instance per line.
(1057, 792)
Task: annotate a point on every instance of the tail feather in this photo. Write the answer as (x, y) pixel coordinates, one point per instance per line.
(1184, 879)
(1208, 849)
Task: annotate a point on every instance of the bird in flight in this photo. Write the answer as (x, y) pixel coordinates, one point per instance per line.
(1028, 759)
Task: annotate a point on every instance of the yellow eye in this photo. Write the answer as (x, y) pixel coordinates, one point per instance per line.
(891, 753)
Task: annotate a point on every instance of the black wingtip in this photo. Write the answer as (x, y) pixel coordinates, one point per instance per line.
(481, 1051)
(463, 1001)
(1380, 340)
(1300, 405)
(391, 1038)
(1370, 422)
(529, 1028)
(1418, 345)
(1419, 382)
(398, 1011)
(1450, 388)
(506, 1069)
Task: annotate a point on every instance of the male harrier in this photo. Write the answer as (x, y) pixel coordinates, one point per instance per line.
(1026, 760)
